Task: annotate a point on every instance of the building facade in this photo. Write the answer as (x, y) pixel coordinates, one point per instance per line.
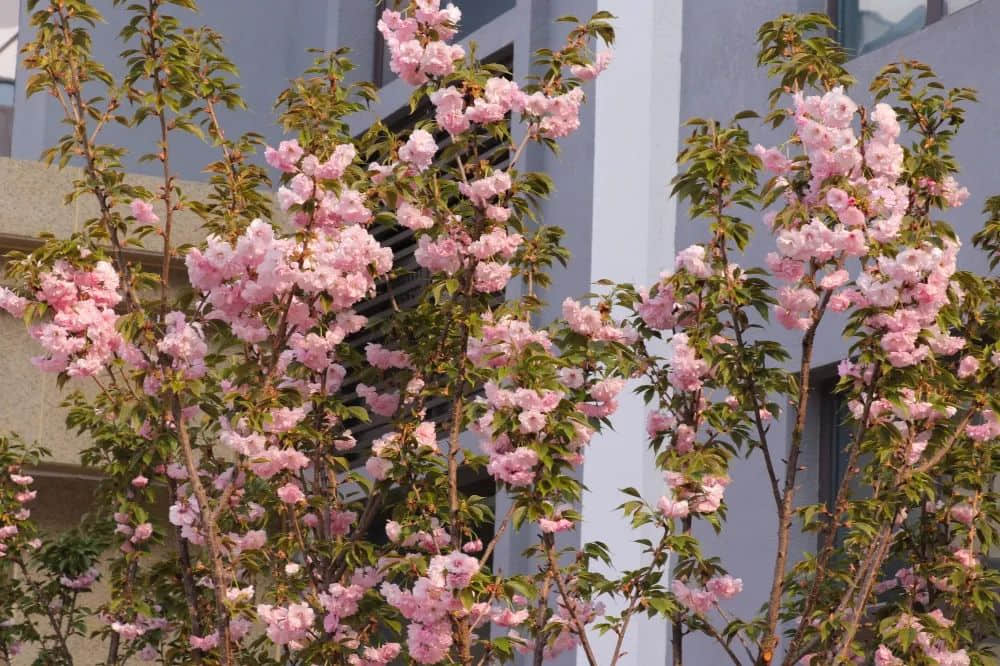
(674, 59)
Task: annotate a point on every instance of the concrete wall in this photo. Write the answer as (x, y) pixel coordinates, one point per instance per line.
(719, 78)
(32, 202)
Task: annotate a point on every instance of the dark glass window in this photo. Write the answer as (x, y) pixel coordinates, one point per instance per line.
(8, 65)
(835, 439)
(866, 25)
(475, 14)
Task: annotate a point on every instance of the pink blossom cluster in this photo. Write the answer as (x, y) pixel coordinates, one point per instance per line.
(686, 370)
(658, 306)
(934, 649)
(134, 534)
(551, 116)
(909, 286)
(417, 44)
(503, 340)
(913, 286)
(81, 338)
(563, 620)
(591, 71)
(912, 417)
(589, 322)
(82, 582)
(372, 656)
(508, 462)
(488, 255)
(18, 513)
(335, 208)
(242, 281)
(954, 195)
(701, 601)
(431, 602)
(184, 343)
(604, 396)
(692, 495)
(290, 625)
(339, 601)
(139, 626)
(500, 96)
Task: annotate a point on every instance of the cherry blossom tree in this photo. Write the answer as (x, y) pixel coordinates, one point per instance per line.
(235, 396)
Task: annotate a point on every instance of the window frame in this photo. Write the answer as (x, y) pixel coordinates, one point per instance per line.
(934, 13)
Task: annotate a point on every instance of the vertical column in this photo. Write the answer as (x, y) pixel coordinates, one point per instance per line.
(637, 126)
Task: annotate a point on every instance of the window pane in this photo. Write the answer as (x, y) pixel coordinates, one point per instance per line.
(866, 25)
(952, 6)
(477, 13)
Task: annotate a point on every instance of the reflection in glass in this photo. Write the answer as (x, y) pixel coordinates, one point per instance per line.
(866, 25)
(952, 6)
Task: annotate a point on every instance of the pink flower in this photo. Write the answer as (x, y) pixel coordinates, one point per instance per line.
(412, 217)
(143, 212)
(140, 482)
(967, 367)
(285, 157)
(687, 370)
(963, 513)
(142, 532)
(454, 570)
(341, 521)
(773, 159)
(835, 279)
(425, 435)
(284, 419)
(438, 255)
(851, 217)
(515, 468)
(491, 276)
(450, 113)
(290, 493)
(419, 149)
(383, 404)
(12, 303)
(378, 468)
(725, 587)
(383, 359)
(837, 199)
(531, 421)
(884, 657)
(692, 260)
(550, 526)
(672, 508)
(967, 558)
(658, 422)
(593, 70)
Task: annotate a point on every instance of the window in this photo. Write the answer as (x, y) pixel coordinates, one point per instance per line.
(866, 25)
(8, 63)
(475, 14)
(405, 289)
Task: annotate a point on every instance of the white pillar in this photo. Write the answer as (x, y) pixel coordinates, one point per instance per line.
(637, 105)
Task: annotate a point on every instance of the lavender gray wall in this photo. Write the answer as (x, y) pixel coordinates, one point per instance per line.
(719, 78)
